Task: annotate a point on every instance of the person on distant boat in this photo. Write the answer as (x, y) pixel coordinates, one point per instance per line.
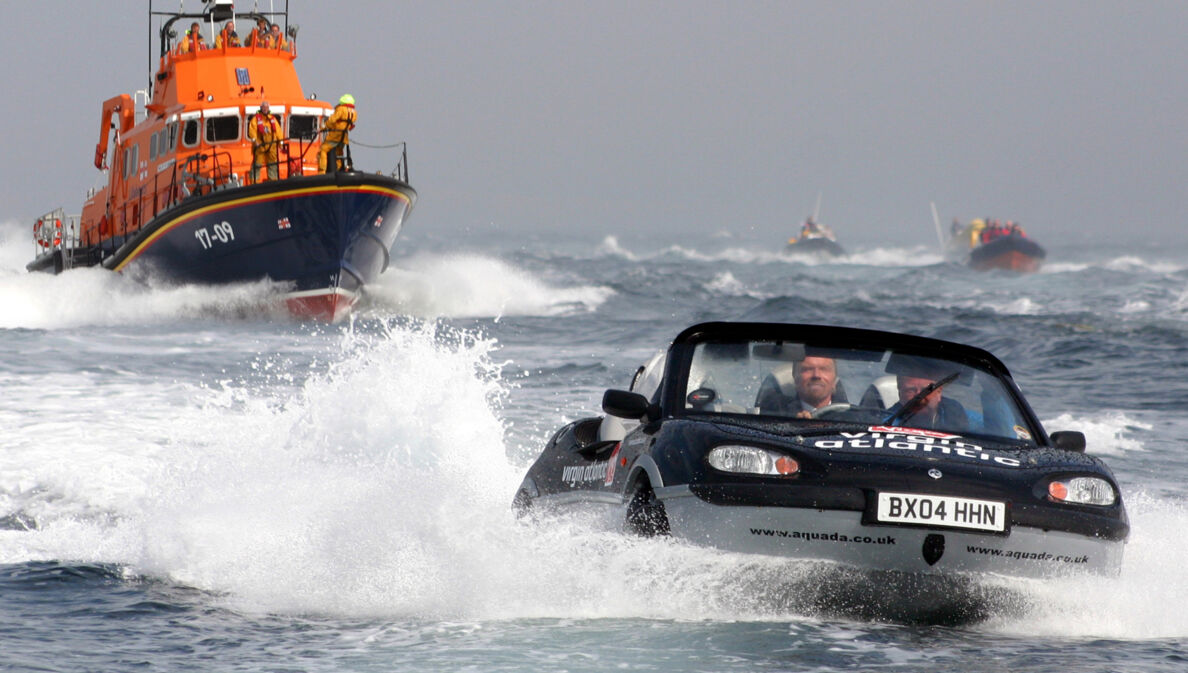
(809, 227)
(814, 229)
(227, 36)
(338, 128)
(265, 131)
(192, 41)
(993, 230)
(977, 232)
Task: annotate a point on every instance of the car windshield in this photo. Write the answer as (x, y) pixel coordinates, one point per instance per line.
(883, 387)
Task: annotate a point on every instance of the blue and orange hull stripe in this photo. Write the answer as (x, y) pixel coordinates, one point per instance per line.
(249, 200)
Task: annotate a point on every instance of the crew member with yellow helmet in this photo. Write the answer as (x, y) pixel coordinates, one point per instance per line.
(338, 127)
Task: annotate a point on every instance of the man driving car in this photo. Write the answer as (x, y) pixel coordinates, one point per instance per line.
(810, 384)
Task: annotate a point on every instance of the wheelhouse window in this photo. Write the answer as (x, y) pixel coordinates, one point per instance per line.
(222, 126)
(303, 126)
(131, 159)
(171, 136)
(305, 122)
(871, 387)
(190, 122)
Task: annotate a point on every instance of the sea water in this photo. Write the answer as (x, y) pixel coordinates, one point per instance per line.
(191, 482)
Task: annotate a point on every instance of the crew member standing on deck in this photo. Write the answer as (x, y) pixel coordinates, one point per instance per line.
(338, 128)
(277, 39)
(265, 131)
(192, 41)
(227, 37)
(259, 34)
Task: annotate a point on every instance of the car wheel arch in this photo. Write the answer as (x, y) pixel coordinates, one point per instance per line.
(644, 468)
(645, 514)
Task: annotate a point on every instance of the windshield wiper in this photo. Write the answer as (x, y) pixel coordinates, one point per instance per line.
(909, 408)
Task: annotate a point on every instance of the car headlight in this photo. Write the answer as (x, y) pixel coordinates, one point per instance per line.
(1083, 490)
(752, 460)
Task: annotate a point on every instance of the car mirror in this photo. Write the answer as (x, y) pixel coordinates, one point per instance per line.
(624, 404)
(778, 351)
(1069, 440)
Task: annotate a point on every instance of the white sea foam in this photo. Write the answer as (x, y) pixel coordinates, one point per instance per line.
(1180, 303)
(1138, 264)
(725, 283)
(16, 247)
(1125, 263)
(1145, 601)
(1106, 433)
(891, 257)
(426, 286)
(1019, 306)
(382, 488)
(610, 247)
(463, 286)
(375, 487)
(95, 296)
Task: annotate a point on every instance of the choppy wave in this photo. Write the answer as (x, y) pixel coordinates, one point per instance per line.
(99, 297)
(382, 488)
(1124, 263)
(1107, 434)
(1141, 603)
(468, 286)
(915, 256)
(426, 286)
(350, 493)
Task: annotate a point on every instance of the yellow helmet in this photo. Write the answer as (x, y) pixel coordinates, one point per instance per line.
(346, 99)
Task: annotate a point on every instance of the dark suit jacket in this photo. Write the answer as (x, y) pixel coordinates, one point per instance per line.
(771, 399)
(950, 415)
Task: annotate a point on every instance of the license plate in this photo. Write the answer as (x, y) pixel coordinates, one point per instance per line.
(940, 510)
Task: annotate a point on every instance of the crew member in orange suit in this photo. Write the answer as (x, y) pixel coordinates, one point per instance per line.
(227, 36)
(192, 41)
(338, 128)
(265, 131)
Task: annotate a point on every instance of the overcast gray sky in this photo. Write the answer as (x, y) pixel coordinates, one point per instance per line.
(650, 119)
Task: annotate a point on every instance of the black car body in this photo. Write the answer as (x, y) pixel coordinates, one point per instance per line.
(716, 444)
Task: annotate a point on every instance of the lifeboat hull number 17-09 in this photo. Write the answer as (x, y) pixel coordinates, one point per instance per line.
(222, 232)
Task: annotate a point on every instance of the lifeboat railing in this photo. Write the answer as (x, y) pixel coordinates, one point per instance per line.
(205, 172)
(400, 171)
(56, 231)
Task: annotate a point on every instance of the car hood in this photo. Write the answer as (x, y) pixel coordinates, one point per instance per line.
(890, 442)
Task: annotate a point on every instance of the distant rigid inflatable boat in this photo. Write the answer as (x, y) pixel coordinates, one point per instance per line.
(983, 247)
(179, 203)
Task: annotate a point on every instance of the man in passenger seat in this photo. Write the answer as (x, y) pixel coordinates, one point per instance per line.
(934, 411)
(798, 390)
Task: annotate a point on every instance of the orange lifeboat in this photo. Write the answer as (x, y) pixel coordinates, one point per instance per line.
(195, 195)
(987, 244)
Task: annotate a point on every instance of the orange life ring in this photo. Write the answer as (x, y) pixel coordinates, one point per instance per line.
(44, 240)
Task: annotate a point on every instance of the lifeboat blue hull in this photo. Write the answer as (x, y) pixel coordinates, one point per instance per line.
(323, 236)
